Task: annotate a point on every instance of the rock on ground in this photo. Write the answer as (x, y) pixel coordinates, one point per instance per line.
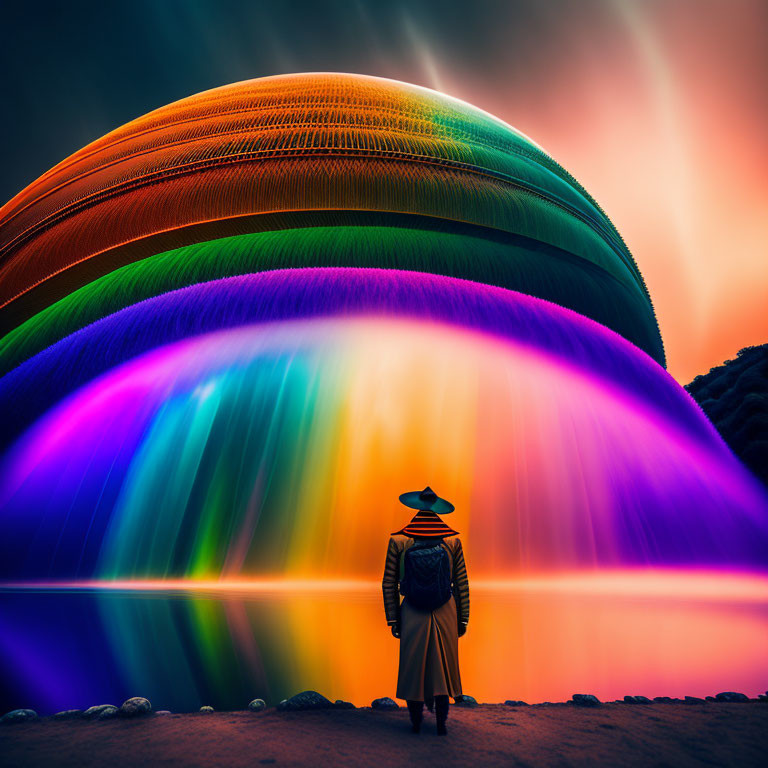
(206, 710)
(69, 714)
(18, 716)
(385, 703)
(585, 700)
(732, 696)
(257, 705)
(465, 701)
(304, 700)
(101, 712)
(637, 700)
(138, 705)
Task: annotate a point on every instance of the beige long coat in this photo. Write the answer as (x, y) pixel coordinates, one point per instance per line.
(429, 640)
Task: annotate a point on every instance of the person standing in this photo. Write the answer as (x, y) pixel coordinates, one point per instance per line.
(425, 564)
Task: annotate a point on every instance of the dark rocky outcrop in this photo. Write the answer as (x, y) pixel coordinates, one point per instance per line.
(304, 700)
(257, 705)
(516, 703)
(637, 700)
(341, 704)
(462, 700)
(735, 398)
(693, 700)
(206, 710)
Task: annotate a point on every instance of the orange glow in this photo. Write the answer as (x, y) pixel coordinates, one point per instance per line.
(659, 109)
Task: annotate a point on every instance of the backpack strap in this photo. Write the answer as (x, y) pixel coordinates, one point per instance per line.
(402, 559)
(450, 553)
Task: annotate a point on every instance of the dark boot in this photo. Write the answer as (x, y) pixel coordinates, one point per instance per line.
(415, 710)
(441, 714)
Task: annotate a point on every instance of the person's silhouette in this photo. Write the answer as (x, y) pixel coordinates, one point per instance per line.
(425, 563)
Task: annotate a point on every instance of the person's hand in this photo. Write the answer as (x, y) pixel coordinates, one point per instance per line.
(462, 628)
(395, 630)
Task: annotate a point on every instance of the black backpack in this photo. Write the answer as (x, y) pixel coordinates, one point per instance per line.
(426, 575)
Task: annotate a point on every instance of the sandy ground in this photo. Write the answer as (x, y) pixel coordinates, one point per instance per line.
(491, 734)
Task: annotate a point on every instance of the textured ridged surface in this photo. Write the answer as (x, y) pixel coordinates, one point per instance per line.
(506, 264)
(226, 161)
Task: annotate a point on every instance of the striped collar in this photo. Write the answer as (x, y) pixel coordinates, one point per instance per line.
(426, 524)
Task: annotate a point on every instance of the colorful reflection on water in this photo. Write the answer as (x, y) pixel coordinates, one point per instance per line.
(660, 633)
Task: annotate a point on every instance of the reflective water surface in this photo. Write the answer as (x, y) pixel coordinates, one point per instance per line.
(640, 633)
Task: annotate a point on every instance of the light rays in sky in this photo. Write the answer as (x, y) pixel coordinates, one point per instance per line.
(662, 112)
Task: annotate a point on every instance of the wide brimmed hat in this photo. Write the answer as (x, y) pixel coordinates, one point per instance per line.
(426, 525)
(426, 499)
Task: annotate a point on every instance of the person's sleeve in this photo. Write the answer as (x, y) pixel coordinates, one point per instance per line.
(461, 582)
(389, 584)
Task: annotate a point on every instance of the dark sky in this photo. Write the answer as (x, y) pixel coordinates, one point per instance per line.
(75, 70)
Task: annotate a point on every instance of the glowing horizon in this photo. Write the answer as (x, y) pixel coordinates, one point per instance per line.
(661, 583)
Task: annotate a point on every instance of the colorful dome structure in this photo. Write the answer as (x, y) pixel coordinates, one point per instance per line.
(301, 171)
